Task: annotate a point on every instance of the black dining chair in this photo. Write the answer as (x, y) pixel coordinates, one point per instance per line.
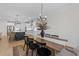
(31, 45)
(19, 35)
(43, 50)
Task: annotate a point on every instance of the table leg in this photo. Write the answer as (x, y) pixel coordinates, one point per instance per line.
(27, 50)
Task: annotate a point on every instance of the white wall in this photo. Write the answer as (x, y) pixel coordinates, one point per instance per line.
(65, 22)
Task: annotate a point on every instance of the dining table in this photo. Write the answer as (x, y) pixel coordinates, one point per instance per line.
(54, 44)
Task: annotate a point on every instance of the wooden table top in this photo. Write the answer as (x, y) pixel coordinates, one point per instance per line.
(49, 43)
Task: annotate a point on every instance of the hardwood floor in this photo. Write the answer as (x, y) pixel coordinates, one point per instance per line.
(6, 47)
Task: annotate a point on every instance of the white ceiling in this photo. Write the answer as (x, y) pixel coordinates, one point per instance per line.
(28, 9)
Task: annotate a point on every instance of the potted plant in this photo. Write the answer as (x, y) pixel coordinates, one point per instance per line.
(42, 25)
